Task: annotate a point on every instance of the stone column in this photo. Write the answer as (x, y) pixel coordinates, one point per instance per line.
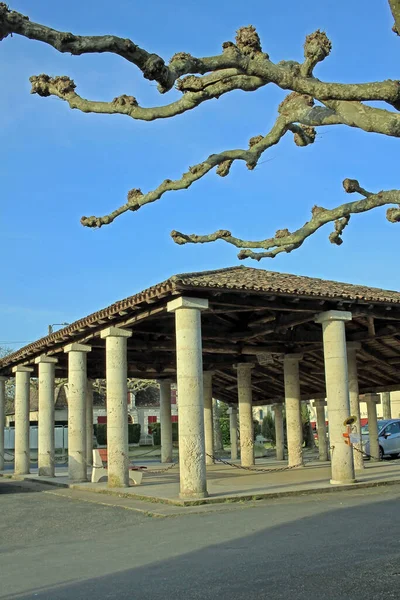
(386, 406)
(46, 415)
(372, 400)
(352, 348)
(22, 407)
(294, 428)
(208, 417)
(189, 360)
(117, 409)
(233, 423)
(2, 418)
(165, 421)
(319, 404)
(77, 390)
(245, 414)
(89, 423)
(337, 390)
(279, 434)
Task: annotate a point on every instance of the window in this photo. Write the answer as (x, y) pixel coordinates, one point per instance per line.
(393, 428)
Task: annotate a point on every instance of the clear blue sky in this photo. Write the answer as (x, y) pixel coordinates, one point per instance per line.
(57, 164)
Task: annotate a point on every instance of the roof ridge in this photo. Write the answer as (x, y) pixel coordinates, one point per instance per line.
(178, 276)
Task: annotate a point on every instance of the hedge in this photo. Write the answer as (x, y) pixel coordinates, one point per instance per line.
(100, 431)
(155, 429)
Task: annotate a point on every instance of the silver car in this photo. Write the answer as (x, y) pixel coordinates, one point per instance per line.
(388, 438)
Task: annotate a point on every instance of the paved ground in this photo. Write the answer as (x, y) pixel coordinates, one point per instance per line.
(61, 544)
(226, 482)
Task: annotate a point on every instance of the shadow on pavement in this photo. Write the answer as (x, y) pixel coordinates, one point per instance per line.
(331, 555)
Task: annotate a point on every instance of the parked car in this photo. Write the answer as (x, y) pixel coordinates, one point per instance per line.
(388, 438)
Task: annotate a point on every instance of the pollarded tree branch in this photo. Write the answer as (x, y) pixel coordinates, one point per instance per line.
(286, 241)
(295, 108)
(214, 86)
(245, 55)
(395, 8)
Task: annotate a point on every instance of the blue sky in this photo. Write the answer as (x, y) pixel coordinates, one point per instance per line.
(57, 164)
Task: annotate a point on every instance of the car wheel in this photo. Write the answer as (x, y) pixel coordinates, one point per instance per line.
(381, 453)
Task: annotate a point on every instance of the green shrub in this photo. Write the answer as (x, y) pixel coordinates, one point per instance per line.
(101, 434)
(268, 428)
(133, 433)
(155, 429)
(100, 431)
(175, 432)
(225, 431)
(256, 428)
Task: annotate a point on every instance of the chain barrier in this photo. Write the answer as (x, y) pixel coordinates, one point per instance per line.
(260, 470)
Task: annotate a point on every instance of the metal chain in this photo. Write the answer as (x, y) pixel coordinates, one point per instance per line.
(262, 470)
(376, 458)
(163, 470)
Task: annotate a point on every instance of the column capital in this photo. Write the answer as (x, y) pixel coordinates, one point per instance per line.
(232, 410)
(115, 332)
(244, 366)
(293, 357)
(75, 347)
(22, 369)
(161, 381)
(320, 402)
(43, 358)
(353, 346)
(277, 406)
(207, 376)
(333, 315)
(374, 398)
(186, 302)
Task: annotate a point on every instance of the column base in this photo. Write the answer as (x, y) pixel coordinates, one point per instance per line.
(46, 472)
(193, 496)
(82, 480)
(345, 482)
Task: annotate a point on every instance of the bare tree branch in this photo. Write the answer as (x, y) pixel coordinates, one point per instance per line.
(221, 82)
(395, 8)
(241, 66)
(293, 108)
(285, 241)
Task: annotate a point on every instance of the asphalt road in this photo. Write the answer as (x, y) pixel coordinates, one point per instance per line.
(331, 546)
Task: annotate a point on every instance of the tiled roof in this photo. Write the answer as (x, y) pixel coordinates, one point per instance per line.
(233, 279)
(247, 278)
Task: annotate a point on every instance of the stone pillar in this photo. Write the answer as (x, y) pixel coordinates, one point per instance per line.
(352, 348)
(22, 407)
(208, 417)
(77, 390)
(372, 400)
(319, 404)
(279, 434)
(165, 421)
(337, 391)
(189, 360)
(386, 406)
(46, 415)
(2, 418)
(117, 409)
(89, 423)
(233, 423)
(245, 414)
(294, 428)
